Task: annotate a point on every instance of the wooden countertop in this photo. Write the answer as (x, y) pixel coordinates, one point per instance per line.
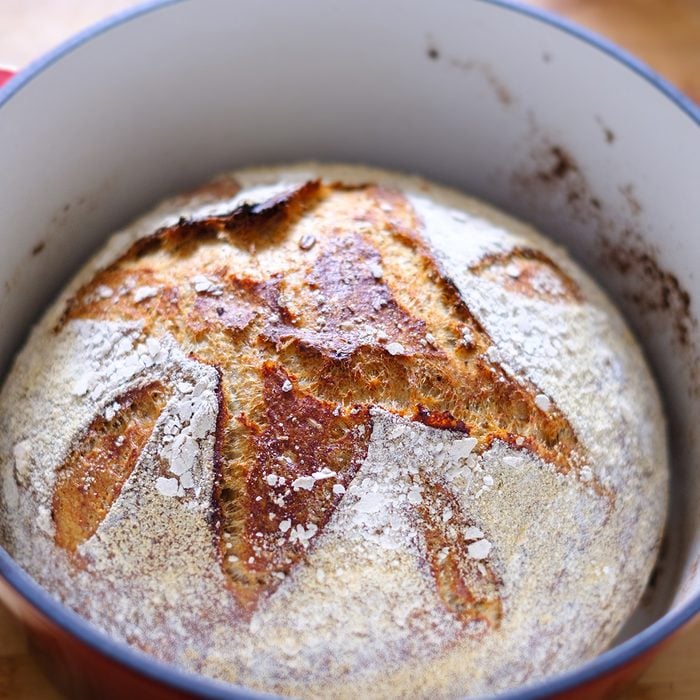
(663, 33)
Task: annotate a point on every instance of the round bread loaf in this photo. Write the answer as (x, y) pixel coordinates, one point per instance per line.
(333, 431)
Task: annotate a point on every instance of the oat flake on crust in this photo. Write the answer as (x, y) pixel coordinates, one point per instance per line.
(208, 450)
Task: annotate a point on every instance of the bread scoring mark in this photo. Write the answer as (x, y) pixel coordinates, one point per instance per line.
(308, 338)
(469, 587)
(494, 405)
(248, 224)
(301, 455)
(531, 273)
(254, 222)
(90, 479)
(223, 418)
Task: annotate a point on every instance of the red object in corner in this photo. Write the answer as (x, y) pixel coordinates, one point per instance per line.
(5, 75)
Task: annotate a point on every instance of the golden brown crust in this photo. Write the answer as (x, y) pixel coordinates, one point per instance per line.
(529, 272)
(332, 290)
(342, 295)
(92, 476)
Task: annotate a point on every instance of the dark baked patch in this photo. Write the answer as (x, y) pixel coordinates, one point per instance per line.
(346, 305)
(231, 311)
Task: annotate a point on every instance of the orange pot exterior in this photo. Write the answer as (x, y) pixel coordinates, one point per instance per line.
(77, 669)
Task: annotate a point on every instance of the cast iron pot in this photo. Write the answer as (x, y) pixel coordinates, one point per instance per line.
(510, 104)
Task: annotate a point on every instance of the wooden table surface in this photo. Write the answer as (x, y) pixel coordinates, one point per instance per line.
(663, 33)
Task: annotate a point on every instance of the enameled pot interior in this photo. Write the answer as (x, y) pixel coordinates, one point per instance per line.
(475, 95)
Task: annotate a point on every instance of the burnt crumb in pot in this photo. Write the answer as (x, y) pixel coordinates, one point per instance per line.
(655, 293)
(650, 287)
(608, 133)
(562, 165)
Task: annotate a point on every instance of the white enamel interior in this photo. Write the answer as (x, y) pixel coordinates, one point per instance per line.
(469, 94)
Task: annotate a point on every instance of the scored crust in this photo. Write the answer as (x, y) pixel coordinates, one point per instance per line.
(326, 309)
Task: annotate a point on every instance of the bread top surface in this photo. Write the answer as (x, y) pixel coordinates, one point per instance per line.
(332, 429)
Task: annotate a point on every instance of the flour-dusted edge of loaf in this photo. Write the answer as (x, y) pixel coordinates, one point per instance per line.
(361, 615)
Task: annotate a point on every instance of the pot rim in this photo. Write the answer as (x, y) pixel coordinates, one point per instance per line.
(148, 666)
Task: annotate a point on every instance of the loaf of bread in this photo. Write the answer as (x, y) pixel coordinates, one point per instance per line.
(333, 431)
